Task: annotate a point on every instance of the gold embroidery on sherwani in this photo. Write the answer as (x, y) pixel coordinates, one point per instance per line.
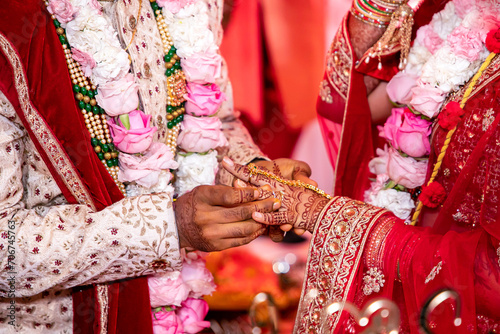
(334, 256)
(54, 151)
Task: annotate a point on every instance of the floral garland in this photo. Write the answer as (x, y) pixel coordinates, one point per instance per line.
(446, 54)
(188, 23)
(191, 54)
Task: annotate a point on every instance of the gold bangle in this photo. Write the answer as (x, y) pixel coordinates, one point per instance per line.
(254, 170)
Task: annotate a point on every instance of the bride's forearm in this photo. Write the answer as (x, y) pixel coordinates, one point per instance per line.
(363, 35)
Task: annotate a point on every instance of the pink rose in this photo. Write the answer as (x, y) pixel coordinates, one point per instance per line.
(407, 172)
(118, 97)
(429, 38)
(203, 68)
(462, 7)
(378, 165)
(408, 132)
(375, 187)
(145, 169)
(166, 322)
(198, 278)
(167, 289)
(400, 86)
(136, 139)
(62, 9)
(201, 134)
(192, 313)
(427, 100)
(466, 43)
(174, 5)
(85, 60)
(203, 100)
(96, 5)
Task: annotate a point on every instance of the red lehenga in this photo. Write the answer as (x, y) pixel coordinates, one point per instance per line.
(453, 247)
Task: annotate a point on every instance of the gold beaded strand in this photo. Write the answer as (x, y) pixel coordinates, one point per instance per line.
(254, 170)
(176, 80)
(96, 123)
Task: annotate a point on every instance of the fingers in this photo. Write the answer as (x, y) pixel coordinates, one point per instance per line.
(302, 172)
(236, 242)
(242, 172)
(237, 183)
(301, 167)
(242, 229)
(286, 227)
(300, 176)
(228, 196)
(243, 211)
(265, 192)
(299, 231)
(275, 218)
(276, 234)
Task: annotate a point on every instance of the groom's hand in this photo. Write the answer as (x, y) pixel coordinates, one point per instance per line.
(212, 218)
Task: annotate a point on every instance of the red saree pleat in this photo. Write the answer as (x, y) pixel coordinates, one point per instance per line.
(34, 77)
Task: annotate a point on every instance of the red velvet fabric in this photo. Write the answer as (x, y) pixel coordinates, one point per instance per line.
(27, 25)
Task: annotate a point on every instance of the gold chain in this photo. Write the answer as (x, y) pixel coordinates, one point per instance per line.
(254, 170)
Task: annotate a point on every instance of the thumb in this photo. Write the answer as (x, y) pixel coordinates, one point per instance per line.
(302, 176)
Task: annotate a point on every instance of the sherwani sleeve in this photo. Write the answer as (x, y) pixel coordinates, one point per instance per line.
(49, 245)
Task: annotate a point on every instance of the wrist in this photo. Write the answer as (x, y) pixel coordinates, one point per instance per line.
(317, 207)
(377, 13)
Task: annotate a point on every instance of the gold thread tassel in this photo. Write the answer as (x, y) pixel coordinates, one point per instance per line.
(398, 32)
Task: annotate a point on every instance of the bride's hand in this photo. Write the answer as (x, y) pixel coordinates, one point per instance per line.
(300, 206)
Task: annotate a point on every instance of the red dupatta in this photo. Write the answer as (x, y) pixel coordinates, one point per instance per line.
(35, 79)
(343, 100)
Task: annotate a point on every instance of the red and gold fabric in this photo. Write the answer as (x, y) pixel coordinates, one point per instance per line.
(454, 246)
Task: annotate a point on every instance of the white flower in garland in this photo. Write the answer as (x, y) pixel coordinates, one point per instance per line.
(446, 70)
(399, 202)
(190, 31)
(445, 21)
(93, 34)
(195, 170)
(111, 63)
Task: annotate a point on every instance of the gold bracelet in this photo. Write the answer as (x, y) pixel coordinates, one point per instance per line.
(254, 170)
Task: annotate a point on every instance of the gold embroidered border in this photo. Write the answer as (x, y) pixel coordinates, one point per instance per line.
(339, 61)
(489, 74)
(103, 300)
(54, 151)
(334, 256)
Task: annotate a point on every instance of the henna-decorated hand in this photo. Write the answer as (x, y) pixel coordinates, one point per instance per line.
(300, 207)
(212, 218)
(286, 169)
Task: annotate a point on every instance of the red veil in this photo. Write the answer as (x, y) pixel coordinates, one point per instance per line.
(459, 247)
(35, 79)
